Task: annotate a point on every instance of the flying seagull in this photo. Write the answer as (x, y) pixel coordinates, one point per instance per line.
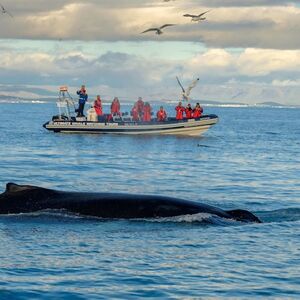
(159, 29)
(186, 92)
(4, 11)
(197, 18)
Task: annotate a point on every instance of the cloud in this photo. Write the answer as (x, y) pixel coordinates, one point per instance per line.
(222, 73)
(258, 62)
(287, 83)
(259, 24)
(236, 3)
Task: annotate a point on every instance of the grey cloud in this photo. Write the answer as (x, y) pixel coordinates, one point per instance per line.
(20, 7)
(241, 26)
(243, 3)
(130, 76)
(72, 62)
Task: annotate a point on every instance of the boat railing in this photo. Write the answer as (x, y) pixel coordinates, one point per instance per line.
(65, 103)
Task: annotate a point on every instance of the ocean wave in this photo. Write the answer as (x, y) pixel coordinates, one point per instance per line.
(291, 214)
(64, 215)
(200, 218)
(278, 216)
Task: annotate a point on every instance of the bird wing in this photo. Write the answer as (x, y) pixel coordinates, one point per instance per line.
(150, 29)
(188, 15)
(5, 11)
(180, 84)
(9, 13)
(203, 13)
(166, 25)
(191, 86)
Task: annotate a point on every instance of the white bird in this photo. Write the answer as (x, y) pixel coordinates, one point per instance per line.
(186, 92)
(197, 18)
(5, 11)
(158, 29)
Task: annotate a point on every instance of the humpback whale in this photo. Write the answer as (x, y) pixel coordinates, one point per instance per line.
(26, 199)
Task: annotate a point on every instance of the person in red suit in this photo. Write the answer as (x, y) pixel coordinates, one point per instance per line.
(98, 106)
(189, 111)
(147, 112)
(135, 113)
(161, 115)
(179, 111)
(115, 107)
(140, 107)
(198, 110)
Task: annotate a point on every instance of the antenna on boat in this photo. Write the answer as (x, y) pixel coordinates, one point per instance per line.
(65, 100)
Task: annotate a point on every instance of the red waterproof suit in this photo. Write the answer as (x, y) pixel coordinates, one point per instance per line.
(189, 112)
(147, 113)
(179, 112)
(140, 107)
(135, 113)
(161, 115)
(115, 107)
(98, 107)
(197, 112)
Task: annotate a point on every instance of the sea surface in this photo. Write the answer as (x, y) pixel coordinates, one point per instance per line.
(249, 160)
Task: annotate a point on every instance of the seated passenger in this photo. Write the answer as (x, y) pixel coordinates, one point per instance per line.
(198, 110)
(134, 113)
(98, 106)
(179, 111)
(147, 112)
(189, 112)
(161, 115)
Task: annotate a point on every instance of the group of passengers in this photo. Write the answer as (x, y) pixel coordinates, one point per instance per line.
(141, 111)
(190, 113)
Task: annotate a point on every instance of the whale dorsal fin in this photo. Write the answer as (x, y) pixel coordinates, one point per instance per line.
(14, 188)
(243, 215)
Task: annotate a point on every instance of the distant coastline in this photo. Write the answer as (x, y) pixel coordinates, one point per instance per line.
(43, 99)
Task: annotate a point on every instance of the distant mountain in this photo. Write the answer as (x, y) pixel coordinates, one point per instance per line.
(233, 94)
(270, 103)
(212, 102)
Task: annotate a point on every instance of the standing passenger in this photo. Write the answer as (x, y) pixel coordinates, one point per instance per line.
(198, 110)
(115, 107)
(83, 96)
(147, 112)
(179, 111)
(140, 107)
(189, 112)
(135, 113)
(98, 106)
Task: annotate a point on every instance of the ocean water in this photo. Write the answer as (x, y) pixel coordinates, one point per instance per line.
(249, 160)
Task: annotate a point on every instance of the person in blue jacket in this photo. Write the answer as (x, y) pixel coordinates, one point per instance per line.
(83, 96)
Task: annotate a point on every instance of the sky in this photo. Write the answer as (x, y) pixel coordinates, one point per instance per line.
(245, 51)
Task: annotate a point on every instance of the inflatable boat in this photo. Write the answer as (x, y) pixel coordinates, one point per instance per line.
(66, 123)
(123, 126)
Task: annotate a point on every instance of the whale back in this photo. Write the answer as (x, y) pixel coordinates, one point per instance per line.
(16, 188)
(27, 198)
